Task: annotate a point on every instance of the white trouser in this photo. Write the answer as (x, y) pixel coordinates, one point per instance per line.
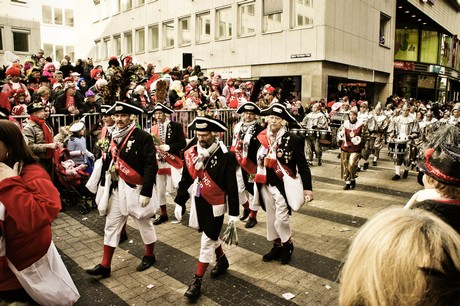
(115, 221)
(278, 219)
(164, 183)
(243, 195)
(208, 248)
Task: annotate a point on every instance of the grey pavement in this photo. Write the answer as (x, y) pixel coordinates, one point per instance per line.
(322, 232)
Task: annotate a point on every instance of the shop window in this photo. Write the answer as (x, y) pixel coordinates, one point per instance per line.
(406, 45)
(154, 37)
(384, 30)
(184, 31)
(21, 40)
(273, 10)
(246, 19)
(429, 47)
(203, 27)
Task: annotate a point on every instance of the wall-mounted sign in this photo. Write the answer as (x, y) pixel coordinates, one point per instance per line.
(301, 55)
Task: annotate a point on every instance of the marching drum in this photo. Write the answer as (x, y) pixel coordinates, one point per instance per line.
(311, 133)
(325, 137)
(299, 132)
(338, 118)
(398, 148)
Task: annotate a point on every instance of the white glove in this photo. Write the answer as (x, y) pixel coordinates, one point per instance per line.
(144, 201)
(233, 219)
(164, 147)
(178, 212)
(89, 154)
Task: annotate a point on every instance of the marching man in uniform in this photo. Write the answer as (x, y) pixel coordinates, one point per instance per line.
(171, 140)
(313, 121)
(377, 125)
(279, 148)
(209, 172)
(245, 146)
(130, 169)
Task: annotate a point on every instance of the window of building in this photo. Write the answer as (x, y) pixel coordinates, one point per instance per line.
(58, 19)
(47, 14)
(246, 19)
(97, 48)
(429, 47)
(1, 38)
(384, 31)
(59, 53)
(154, 37)
(126, 5)
(69, 18)
(140, 40)
(105, 9)
(224, 23)
(184, 31)
(21, 40)
(301, 13)
(203, 27)
(128, 42)
(96, 12)
(19, 1)
(106, 47)
(117, 44)
(140, 2)
(115, 8)
(48, 50)
(273, 10)
(70, 51)
(168, 34)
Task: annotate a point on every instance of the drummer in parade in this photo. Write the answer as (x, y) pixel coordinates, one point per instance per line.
(364, 115)
(402, 131)
(377, 126)
(313, 122)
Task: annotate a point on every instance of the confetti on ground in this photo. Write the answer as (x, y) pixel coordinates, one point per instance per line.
(288, 296)
(150, 286)
(131, 241)
(345, 229)
(175, 222)
(328, 287)
(84, 219)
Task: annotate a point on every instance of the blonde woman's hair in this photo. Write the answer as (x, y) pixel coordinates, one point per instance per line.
(402, 257)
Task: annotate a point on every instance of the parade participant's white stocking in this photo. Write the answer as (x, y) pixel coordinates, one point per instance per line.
(398, 170)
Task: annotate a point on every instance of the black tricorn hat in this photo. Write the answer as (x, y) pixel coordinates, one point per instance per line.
(124, 108)
(207, 124)
(443, 164)
(248, 107)
(162, 108)
(35, 106)
(279, 110)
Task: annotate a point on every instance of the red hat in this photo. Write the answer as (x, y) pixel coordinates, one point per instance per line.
(94, 72)
(18, 110)
(13, 71)
(442, 164)
(271, 89)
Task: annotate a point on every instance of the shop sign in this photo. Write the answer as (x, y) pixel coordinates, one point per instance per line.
(404, 65)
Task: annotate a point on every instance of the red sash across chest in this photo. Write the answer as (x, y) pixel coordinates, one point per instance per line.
(172, 159)
(244, 162)
(207, 188)
(125, 171)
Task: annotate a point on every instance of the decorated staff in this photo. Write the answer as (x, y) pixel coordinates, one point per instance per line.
(169, 139)
(351, 144)
(245, 145)
(209, 175)
(126, 189)
(281, 154)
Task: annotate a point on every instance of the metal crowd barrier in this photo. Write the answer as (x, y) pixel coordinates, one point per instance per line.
(94, 120)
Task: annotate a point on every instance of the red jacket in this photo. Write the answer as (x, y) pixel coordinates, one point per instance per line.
(32, 203)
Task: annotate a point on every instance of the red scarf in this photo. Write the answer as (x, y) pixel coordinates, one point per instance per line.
(46, 132)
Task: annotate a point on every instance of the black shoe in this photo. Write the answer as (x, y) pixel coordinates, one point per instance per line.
(374, 163)
(358, 169)
(353, 184)
(396, 177)
(245, 215)
(309, 163)
(405, 174)
(366, 165)
(412, 167)
(123, 237)
(147, 262)
(338, 156)
(220, 267)
(160, 219)
(194, 290)
(274, 254)
(251, 223)
(286, 254)
(99, 270)
(320, 162)
(346, 187)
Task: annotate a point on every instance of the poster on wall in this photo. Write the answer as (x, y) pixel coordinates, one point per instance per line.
(406, 45)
